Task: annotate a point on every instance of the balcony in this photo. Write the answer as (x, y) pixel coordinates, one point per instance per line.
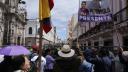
(120, 19)
(4, 5)
(121, 16)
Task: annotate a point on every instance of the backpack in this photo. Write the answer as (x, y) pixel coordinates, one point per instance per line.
(33, 64)
(32, 55)
(33, 67)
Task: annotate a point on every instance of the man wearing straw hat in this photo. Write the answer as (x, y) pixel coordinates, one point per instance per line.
(67, 62)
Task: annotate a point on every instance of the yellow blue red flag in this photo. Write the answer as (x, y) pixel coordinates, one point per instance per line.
(45, 7)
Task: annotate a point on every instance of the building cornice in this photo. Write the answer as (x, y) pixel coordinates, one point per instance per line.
(4, 6)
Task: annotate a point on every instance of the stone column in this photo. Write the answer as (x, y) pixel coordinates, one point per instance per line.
(117, 39)
(101, 42)
(92, 44)
(86, 43)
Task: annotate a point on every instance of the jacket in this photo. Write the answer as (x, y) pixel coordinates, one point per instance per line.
(71, 64)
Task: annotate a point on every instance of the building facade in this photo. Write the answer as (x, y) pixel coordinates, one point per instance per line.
(12, 22)
(2, 11)
(32, 34)
(108, 34)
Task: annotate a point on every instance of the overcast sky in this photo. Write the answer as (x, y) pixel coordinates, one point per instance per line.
(61, 13)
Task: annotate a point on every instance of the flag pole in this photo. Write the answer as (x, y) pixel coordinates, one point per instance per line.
(40, 35)
(40, 45)
(44, 12)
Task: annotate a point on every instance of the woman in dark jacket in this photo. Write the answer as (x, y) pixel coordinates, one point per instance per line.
(67, 64)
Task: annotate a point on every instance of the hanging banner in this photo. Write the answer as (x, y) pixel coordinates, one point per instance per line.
(93, 12)
(96, 18)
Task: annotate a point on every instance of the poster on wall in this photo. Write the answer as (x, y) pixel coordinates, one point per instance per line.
(92, 11)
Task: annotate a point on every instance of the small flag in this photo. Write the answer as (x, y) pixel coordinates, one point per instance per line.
(44, 14)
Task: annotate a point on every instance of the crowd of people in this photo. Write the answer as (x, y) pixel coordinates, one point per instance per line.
(105, 60)
(68, 59)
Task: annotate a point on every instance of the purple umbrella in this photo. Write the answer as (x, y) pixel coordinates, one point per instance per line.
(14, 50)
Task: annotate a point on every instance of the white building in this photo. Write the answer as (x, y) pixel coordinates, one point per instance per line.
(2, 10)
(32, 34)
(12, 22)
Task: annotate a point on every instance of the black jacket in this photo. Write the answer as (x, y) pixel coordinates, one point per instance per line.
(71, 64)
(123, 61)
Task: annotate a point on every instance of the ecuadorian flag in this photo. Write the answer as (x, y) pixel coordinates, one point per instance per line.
(45, 7)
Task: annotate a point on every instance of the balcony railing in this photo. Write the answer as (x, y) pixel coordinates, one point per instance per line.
(121, 16)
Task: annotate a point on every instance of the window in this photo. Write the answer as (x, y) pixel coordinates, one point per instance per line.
(12, 33)
(125, 43)
(6, 1)
(18, 40)
(38, 31)
(30, 30)
(108, 44)
(96, 45)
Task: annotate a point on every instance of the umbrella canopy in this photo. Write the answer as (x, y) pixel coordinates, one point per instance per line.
(14, 50)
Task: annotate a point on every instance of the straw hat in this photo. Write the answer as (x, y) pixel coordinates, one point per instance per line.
(66, 51)
(125, 55)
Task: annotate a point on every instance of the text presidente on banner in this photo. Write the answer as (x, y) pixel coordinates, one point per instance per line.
(95, 18)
